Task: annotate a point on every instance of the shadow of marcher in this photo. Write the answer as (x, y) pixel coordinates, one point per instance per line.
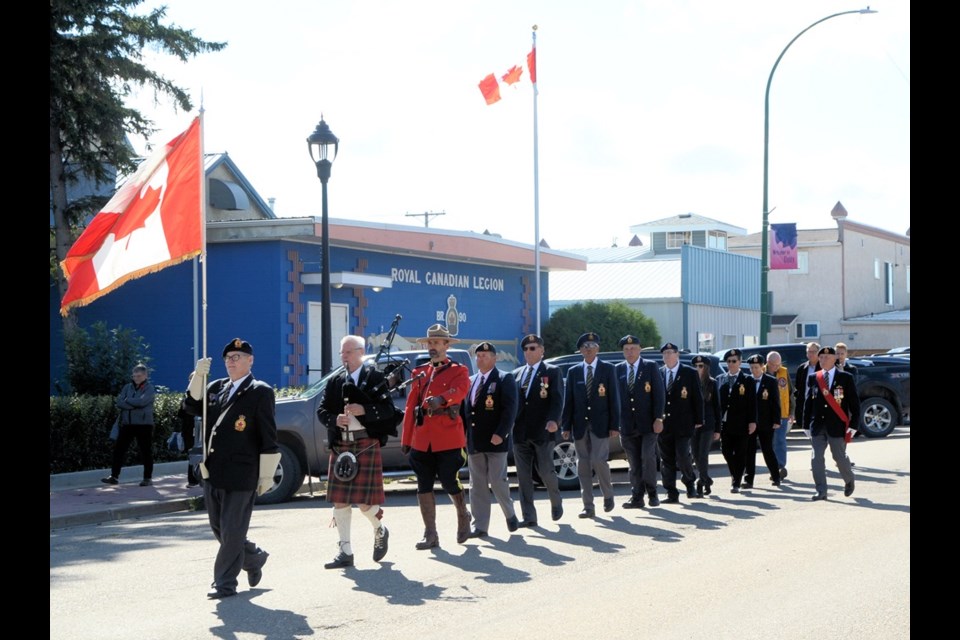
(392, 585)
(240, 615)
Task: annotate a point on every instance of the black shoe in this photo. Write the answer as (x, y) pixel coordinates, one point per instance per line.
(783, 473)
(735, 489)
(146, 482)
(699, 491)
(109, 480)
(672, 499)
(556, 512)
(512, 524)
(528, 523)
(477, 533)
(381, 539)
(746, 485)
(775, 483)
(654, 500)
(342, 560)
(634, 503)
(707, 490)
(818, 496)
(255, 575)
(848, 489)
(191, 485)
(608, 504)
(219, 593)
(691, 492)
(587, 512)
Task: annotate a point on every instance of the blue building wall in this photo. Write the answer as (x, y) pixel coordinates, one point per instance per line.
(255, 292)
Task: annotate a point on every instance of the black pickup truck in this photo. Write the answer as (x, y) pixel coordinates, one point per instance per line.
(883, 384)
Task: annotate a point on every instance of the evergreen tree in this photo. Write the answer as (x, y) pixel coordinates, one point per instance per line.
(612, 320)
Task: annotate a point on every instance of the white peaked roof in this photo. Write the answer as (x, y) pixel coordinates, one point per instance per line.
(644, 280)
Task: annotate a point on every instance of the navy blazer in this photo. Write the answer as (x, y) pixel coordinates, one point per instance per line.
(711, 405)
(493, 413)
(821, 416)
(800, 391)
(543, 403)
(684, 406)
(739, 408)
(601, 414)
(647, 401)
(768, 402)
(248, 428)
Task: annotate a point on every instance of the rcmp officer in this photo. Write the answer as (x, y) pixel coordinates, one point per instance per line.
(240, 458)
(591, 414)
(642, 401)
(683, 414)
(832, 410)
(738, 407)
(768, 421)
(359, 415)
(488, 415)
(433, 433)
(535, 429)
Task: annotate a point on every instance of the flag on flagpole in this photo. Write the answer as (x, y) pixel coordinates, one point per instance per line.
(490, 87)
(783, 246)
(152, 222)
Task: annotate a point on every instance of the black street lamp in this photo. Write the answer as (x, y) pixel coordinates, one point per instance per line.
(318, 143)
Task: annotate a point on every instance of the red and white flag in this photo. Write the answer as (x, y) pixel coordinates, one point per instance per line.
(490, 88)
(152, 222)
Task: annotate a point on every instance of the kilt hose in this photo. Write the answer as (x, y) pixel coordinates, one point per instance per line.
(367, 487)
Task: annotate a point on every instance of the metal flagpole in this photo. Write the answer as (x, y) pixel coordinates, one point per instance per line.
(203, 276)
(536, 182)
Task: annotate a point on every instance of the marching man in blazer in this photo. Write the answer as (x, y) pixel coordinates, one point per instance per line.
(738, 410)
(591, 414)
(536, 427)
(831, 411)
(488, 415)
(768, 421)
(683, 413)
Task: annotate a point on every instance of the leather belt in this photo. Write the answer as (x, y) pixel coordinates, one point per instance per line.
(353, 436)
(453, 411)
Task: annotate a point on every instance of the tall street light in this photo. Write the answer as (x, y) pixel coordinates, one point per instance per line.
(319, 145)
(765, 249)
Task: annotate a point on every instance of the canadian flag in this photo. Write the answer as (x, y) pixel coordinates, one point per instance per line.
(490, 88)
(152, 222)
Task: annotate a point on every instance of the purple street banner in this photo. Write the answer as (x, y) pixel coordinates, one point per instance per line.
(783, 246)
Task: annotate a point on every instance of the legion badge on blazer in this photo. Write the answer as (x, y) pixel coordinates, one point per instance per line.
(646, 387)
(743, 390)
(683, 393)
(601, 390)
(765, 395)
(488, 403)
(241, 423)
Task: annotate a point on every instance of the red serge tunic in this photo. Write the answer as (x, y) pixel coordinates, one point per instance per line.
(443, 430)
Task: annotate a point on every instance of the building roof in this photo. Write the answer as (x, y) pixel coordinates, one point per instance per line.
(612, 254)
(782, 320)
(686, 222)
(644, 280)
(898, 317)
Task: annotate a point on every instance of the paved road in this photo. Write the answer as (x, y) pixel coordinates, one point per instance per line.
(767, 563)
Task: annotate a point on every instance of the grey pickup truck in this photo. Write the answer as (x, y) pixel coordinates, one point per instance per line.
(303, 440)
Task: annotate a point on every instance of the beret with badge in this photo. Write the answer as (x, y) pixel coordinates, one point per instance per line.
(628, 339)
(588, 337)
(756, 359)
(733, 353)
(238, 345)
(531, 338)
(669, 346)
(827, 351)
(485, 346)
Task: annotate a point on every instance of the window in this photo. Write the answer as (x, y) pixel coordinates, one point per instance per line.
(876, 269)
(676, 239)
(705, 343)
(808, 330)
(751, 341)
(803, 263)
(888, 283)
(717, 240)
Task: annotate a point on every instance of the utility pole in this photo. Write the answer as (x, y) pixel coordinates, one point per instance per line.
(426, 216)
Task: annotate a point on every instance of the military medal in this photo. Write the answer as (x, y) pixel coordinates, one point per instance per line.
(544, 385)
(838, 394)
(601, 390)
(241, 423)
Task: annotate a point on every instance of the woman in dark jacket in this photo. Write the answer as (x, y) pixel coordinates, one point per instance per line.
(705, 436)
(136, 423)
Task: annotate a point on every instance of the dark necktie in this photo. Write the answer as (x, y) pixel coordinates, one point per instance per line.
(476, 389)
(589, 381)
(631, 378)
(670, 379)
(526, 381)
(225, 394)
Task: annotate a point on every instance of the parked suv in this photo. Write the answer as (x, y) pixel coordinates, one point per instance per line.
(302, 439)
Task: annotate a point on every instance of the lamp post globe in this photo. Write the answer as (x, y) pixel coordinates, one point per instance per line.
(319, 144)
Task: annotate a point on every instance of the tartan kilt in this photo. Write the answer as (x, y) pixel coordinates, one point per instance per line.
(367, 487)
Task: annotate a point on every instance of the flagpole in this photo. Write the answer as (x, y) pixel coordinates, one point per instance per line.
(203, 275)
(536, 182)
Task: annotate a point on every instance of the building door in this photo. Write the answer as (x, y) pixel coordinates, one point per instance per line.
(339, 313)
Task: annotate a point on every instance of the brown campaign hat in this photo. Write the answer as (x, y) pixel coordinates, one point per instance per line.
(438, 331)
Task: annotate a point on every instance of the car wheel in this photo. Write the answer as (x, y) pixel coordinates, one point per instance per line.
(877, 418)
(565, 465)
(286, 479)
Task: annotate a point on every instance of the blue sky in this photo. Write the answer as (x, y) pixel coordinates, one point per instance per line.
(646, 110)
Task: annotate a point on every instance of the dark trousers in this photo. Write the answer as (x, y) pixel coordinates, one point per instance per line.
(675, 451)
(229, 514)
(765, 438)
(701, 443)
(429, 466)
(189, 439)
(734, 449)
(529, 455)
(641, 450)
(143, 434)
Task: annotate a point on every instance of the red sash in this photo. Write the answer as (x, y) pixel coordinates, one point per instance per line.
(837, 409)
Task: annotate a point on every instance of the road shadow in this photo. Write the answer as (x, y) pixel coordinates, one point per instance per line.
(687, 516)
(391, 585)
(568, 535)
(517, 545)
(240, 615)
(488, 569)
(641, 528)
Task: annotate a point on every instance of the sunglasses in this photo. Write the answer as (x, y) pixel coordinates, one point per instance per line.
(531, 347)
(732, 360)
(701, 366)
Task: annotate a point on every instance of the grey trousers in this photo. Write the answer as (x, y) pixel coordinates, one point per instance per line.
(488, 471)
(592, 455)
(838, 449)
(229, 515)
(526, 455)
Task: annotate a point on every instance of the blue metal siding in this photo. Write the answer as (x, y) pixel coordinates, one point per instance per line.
(721, 279)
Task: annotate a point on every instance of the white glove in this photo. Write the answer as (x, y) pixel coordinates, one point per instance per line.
(268, 468)
(198, 381)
